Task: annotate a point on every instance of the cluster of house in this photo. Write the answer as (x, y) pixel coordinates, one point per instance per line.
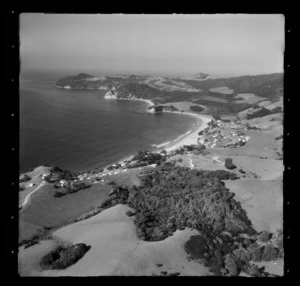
(215, 136)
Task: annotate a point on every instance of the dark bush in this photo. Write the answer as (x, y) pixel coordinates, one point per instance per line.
(264, 236)
(228, 164)
(231, 265)
(270, 253)
(62, 258)
(258, 254)
(260, 113)
(21, 188)
(25, 178)
(58, 194)
(196, 108)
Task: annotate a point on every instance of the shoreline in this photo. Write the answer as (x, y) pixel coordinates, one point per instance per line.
(188, 138)
(184, 139)
(191, 136)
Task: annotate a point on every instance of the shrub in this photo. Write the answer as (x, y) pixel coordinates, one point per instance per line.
(61, 257)
(231, 265)
(56, 169)
(25, 178)
(196, 108)
(112, 184)
(58, 194)
(257, 254)
(264, 236)
(229, 164)
(21, 188)
(270, 253)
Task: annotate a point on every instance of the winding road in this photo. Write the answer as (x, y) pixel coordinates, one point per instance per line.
(26, 200)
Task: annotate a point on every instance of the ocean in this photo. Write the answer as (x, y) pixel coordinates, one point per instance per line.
(79, 130)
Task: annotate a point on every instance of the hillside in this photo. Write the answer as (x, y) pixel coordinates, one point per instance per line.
(218, 96)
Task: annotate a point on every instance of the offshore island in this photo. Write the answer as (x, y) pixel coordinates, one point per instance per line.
(208, 203)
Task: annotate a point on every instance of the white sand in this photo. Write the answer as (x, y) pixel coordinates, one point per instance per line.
(115, 249)
(192, 136)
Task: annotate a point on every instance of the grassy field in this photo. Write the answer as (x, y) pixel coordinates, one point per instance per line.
(45, 210)
(128, 178)
(260, 144)
(262, 200)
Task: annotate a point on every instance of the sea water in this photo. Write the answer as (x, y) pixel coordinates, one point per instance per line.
(79, 130)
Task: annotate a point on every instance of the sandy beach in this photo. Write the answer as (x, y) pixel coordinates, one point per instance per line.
(191, 136)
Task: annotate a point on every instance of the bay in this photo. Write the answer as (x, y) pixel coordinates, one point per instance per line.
(79, 130)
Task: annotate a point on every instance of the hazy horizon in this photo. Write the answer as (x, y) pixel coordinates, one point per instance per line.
(237, 44)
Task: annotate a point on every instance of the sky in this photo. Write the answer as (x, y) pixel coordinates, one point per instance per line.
(226, 44)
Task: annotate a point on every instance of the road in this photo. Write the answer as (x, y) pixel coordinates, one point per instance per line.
(26, 200)
(191, 163)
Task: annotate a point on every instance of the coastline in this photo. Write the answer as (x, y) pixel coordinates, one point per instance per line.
(188, 138)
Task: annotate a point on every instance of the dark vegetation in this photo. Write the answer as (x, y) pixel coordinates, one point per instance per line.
(21, 188)
(138, 90)
(34, 239)
(63, 257)
(25, 178)
(223, 108)
(72, 188)
(263, 112)
(195, 149)
(172, 198)
(268, 85)
(175, 197)
(161, 108)
(228, 164)
(196, 108)
(60, 174)
(226, 255)
(144, 158)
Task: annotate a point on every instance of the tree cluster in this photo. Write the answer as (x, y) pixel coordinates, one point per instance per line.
(196, 108)
(145, 158)
(25, 178)
(175, 197)
(63, 257)
(70, 189)
(228, 164)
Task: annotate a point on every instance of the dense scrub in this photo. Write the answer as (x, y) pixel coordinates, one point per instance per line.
(196, 108)
(70, 189)
(263, 112)
(25, 178)
(63, 257)
(144, 158)
(228, 164)
(172, 198)
(268, 85)
(227, 255)
(175, 197)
